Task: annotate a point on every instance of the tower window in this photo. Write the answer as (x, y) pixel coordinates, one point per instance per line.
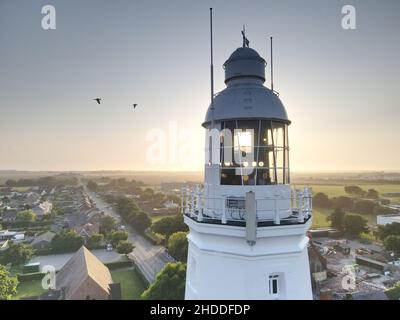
(273, 285)
(254, 152)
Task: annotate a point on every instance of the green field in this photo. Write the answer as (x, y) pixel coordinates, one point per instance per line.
(29, 289)
(132, 284)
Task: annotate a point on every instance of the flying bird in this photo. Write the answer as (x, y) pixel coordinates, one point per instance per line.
(134, 105)
(98, 100)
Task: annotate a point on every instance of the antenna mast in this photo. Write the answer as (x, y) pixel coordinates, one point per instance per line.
(212, 64)
(272, 68)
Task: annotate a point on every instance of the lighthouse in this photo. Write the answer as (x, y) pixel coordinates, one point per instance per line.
(247, 225)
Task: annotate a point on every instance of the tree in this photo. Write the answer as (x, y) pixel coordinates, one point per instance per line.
(11, 183)
(8, 285)
(92, 185)
(124, 247)
(178, 246)
(372, 194)
(169, 225)
(388, 230)
(354, 225)
(26, 216)
(321, 200)
(107, 224)
(364, 207)
(118, 236)
(354, 190)
(392, 243)
(337, 219)
(345, 203)
(141, 222)
(169, 284)
(95, 241)
(18, 253)
(67, 241)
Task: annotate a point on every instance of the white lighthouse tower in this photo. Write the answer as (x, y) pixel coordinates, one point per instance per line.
(248, 227)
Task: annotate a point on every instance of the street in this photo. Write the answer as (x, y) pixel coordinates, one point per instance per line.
(149, 258)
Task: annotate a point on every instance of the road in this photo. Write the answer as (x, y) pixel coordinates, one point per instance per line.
(149, 258)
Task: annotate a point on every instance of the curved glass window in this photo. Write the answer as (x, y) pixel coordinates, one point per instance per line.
(254, 152)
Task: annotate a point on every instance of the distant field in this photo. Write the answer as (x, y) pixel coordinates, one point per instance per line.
(338, 190)
(18, 189)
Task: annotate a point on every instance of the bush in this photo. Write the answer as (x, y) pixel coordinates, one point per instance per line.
(118, 236)
(124, 247)
(95, 241)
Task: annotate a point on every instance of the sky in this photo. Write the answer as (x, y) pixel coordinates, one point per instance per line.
(340, 87)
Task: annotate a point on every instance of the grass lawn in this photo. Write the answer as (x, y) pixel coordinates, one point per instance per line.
(29, 289)
(132, 284)
(319, 219)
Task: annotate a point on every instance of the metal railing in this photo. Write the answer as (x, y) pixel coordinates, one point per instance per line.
(297, 208)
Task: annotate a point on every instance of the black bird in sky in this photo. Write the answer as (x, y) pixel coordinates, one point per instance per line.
(134, 105)
(98, 100)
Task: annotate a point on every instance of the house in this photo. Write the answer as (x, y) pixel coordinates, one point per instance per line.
(170, 204)
(84, 277)
(387, 219)
(87, 230)
(43, 241)
(42, 209)
(9, 215)
(32, 198)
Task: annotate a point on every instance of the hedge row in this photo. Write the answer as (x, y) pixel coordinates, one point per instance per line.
(118, 265)
(24, 277)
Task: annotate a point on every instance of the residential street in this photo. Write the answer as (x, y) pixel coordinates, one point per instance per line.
(148, 257)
